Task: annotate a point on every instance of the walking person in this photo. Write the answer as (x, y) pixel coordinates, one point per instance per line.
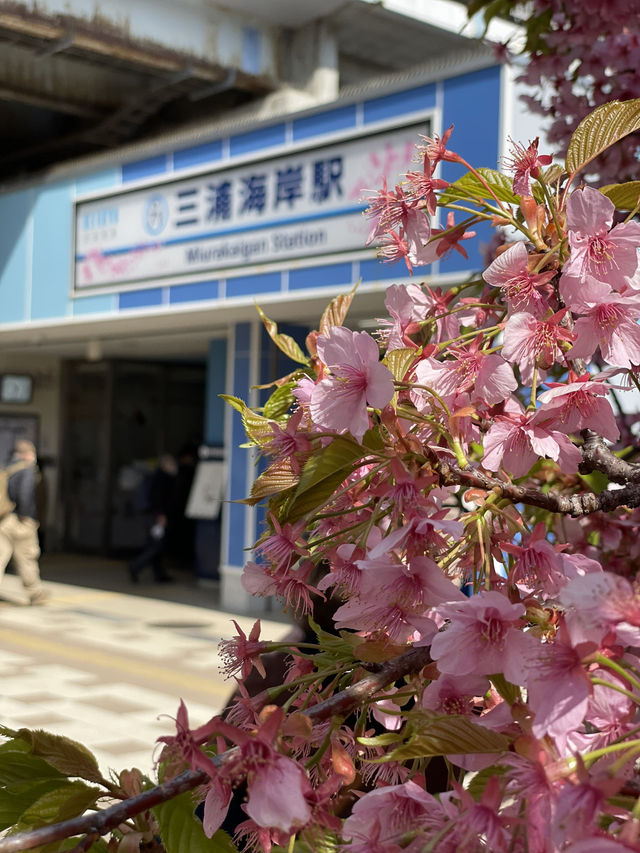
(19, 528)
(161, 505)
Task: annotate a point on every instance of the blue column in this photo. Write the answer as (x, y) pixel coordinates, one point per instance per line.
(238, 457)
(255, 361)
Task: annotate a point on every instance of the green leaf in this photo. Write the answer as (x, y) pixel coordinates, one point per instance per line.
(624, 196)
(601, 129)
(336, 310)
(181, 830)
(476, 783)
(469, 187)
(549, 175)
(327, 843)
(64, 802)
(337, 646)
(277, 478)
(596, 481)
(17, 797)
(495, 8)
(552, 173)
(17, 764)
(432, 734)
(66, 755)
(398, 361)
(510, 692)
(380, 740)
(99, 846)
(258, 429)
(284, 342)
(372, 440)
(323, 474)
(279, 402)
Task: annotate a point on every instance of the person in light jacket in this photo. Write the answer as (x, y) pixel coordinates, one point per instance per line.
(19, 529)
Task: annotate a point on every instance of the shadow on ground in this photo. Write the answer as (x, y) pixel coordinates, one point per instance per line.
(95, 572)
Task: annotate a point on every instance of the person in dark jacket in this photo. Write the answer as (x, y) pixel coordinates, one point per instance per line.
(161, 502)
(19, 529)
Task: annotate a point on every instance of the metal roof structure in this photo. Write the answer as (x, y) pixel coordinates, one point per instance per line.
(79, 77)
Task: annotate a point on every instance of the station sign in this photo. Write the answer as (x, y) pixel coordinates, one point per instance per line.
(305, 203)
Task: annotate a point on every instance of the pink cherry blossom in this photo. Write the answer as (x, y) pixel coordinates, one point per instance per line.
(435, 148)
(447, 239)
(483, 636)
(607, 254)
(407, 306)
(439, 306)
(242, 654)
(422, 186)
(478, 819)
(524, 291)
(487, 376)
(392, 594)
(558, 686)
(393, 247)
(268, 774)
(516, 442)
(358, 378)
(184, 746)
(386, 209)
(379, 820)
(609, 713)
(530, 342)
(451, 694)
(417, 232)
(386, 712)
(284, 546)
(289, 443)
(578, 405)
(216, 805)
(526, 164)
(612, 326)
(601, 604)
(258, 579)
(543, 567)
(267, 806)
(345, 574)
(577, 811)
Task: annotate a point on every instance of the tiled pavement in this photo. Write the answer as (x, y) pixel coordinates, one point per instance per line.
(107, 667)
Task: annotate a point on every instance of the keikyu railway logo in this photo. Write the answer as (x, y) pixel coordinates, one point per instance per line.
(156, 214)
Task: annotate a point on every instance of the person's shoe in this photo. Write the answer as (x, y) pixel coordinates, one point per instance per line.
(133, 575)
(165, 579)
(39, 597)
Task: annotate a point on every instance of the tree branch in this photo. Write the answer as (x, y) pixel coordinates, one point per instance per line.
(583, 503)
(99, 823)
(598, 457)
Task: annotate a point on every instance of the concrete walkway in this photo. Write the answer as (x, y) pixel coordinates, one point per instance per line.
(106, 662)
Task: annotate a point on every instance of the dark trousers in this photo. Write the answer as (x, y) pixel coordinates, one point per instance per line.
(151, 555)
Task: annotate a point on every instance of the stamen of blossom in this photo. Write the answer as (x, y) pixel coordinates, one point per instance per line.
(242, 654)
(525, 163)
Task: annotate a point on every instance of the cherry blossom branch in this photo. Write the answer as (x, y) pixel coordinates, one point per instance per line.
(598, 457)
(576, 505)
(352, 697)
(99, 823)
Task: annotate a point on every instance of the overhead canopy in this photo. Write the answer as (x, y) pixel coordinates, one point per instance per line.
(73, 81)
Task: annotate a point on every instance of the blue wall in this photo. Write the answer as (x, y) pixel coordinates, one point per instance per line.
(36, 238)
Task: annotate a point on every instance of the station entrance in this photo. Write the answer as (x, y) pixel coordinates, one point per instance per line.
(118, 418)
